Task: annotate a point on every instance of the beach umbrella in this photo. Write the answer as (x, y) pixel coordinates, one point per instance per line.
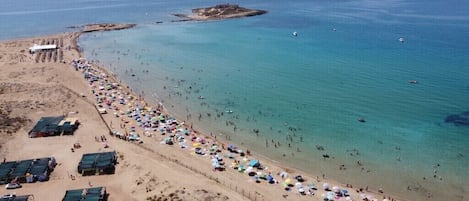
(301, 190)
(345, 192)
(299, 184)
(283, 174)
(231, 147)
(325, 186)
(182, 145)
(330, 195)
(249, 169)
(287, 182)
(336, 189)
(270, 178)
(254, 163)
(213, 148)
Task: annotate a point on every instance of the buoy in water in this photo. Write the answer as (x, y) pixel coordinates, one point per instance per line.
(295, 33)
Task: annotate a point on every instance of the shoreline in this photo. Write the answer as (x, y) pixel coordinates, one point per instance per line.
(58, 90)
(289, 169)
(418, 185)
(73, 37)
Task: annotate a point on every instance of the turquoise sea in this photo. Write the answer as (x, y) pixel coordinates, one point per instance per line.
(252, 81)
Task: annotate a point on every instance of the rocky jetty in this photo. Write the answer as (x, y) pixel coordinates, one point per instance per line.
(106, 27)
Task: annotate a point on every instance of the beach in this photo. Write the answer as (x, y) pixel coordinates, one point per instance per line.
(146, 169)
(365, 93)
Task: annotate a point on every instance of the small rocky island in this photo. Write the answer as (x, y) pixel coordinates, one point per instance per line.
(106, 27)
(101, 27)
(221, 11)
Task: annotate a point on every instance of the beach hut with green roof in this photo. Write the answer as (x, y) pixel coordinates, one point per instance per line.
(97, 163)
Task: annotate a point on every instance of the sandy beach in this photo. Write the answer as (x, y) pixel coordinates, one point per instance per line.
(47, 84)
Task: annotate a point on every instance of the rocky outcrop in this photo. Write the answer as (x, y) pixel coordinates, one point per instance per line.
(222, 11)
(106, 27)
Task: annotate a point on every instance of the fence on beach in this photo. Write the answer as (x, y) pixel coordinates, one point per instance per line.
(255, 196)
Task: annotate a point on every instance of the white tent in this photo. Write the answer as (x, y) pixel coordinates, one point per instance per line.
(37, 47)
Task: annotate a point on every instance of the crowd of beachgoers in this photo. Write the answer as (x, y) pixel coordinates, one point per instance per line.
(136, 118)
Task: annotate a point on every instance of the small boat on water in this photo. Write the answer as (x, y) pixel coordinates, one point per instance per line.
(413, 81)
(229, 111)
(362, 120)
(295, 33)
(402, 39)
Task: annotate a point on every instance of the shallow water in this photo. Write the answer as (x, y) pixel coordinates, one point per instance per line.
(312, 88)
(308, 91)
